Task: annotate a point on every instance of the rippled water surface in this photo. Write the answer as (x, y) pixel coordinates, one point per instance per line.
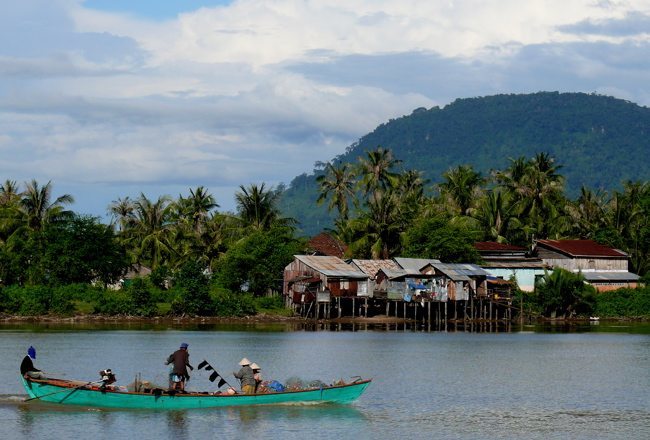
(539, 383)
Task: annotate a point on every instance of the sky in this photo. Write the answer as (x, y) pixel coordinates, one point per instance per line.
(113, 98)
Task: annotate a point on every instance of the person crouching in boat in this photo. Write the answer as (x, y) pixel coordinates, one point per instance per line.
(107, 378)
(257, 375)
(181, 362)
(246, 377)
(27, 368)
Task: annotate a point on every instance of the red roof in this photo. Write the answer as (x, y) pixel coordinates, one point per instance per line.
(494, 246)
(582, 248)
(327, 245)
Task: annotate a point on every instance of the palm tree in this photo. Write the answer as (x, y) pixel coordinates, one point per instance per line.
(376, 232)
(495, 216)
(197, 207)
(256, 206)
(36, 205)
(588, 213)
(151, 234)
(122, 211)
(461, 188)
(9, 193)
(338, 184)
(537, 191)
(376, 172)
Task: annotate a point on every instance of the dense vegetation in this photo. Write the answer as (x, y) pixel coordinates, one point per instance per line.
(53, 260)
(601, 141)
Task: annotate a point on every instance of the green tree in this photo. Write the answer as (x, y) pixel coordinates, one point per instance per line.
(461, 188)
(193, 286)
(122, 211)
(337, 183)
(151, 237)
(438, 238)
(376, 171)
(257, 206)
(38, 207)
(256, 262)
(564, 293)
(78, 250)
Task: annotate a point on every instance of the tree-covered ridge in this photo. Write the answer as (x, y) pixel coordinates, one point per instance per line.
(600, 141)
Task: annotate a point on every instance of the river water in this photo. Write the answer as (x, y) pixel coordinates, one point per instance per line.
(579, 383)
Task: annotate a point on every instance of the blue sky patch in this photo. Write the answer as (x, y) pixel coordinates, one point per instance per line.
(153, 9)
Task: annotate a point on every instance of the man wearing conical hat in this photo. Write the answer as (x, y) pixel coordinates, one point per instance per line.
(246, 377)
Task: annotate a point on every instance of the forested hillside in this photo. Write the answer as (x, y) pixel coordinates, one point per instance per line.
(599, 141)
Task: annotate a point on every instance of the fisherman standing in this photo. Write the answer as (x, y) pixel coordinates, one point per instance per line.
(181, 362)
(246, 376)
(27, 368)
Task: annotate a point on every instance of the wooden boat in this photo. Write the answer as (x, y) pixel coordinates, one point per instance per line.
(68, 392)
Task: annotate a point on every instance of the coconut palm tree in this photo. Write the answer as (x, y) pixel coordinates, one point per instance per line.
(37, 205)
(495, 216)
(256, 206)
(337, 183)
(376, 172)
(461, 189)
(588, 213)
(9, 193)
(197, 207)
(376, 232)
(122, 211)
(151, 235)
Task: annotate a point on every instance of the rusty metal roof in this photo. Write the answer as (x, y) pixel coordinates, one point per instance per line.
(414, 265)
(582, 248)
(494, 246)
(331, 266)
(371, 267)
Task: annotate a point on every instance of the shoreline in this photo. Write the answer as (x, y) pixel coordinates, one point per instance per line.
(272, 319)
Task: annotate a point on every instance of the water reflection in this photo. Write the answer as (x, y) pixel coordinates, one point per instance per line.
(343, 325)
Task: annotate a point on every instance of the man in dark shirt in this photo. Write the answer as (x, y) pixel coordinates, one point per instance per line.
(27, 368)
(181, 361)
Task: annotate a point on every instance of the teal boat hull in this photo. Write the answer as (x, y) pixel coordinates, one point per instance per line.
(70, 393)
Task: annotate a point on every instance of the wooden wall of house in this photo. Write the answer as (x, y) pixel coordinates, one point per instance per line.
(298, 269)
(342, 287)
(575, 264)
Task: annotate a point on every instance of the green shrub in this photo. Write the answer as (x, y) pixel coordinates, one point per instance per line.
(192, 291)
(227, 303)
(142, 297)
(624, 303)
(35, 301)
(117, 302)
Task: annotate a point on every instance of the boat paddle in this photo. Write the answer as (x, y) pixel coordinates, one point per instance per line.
(64, 390)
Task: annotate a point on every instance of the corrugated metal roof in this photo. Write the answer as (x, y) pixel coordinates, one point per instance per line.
(414, 265)
(331, 266)
(394, 273)
(515, 264)
(582, 248)
(610, 276)
(371, 267)
(461, 272)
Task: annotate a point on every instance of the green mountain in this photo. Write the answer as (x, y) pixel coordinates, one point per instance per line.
(600, 142)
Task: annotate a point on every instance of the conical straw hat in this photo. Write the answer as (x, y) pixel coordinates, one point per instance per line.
(244, 362)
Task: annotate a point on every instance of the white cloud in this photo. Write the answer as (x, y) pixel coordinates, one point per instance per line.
(259, 90)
